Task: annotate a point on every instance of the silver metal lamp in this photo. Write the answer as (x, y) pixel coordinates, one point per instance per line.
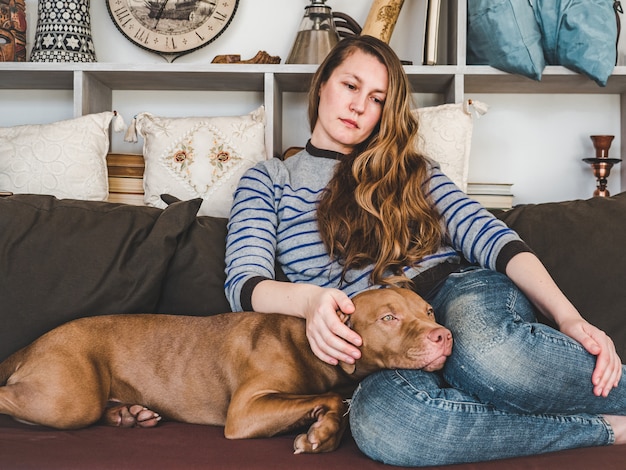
(316, 37)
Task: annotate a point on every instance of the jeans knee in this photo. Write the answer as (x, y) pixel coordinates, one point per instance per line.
(394, 422)
(489, 318)
(373, 422)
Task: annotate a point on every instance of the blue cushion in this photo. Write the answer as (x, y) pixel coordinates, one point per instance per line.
(505, 35)
(580, 35)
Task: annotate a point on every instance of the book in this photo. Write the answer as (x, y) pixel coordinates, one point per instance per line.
(491, 195)
(122, 184)
(134, 199)
(489, 188)
(431, 39)
(125, 165)
(494, 201)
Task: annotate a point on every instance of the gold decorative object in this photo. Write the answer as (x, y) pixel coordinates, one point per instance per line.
(261, 57)
(602, 164)
(382, 18)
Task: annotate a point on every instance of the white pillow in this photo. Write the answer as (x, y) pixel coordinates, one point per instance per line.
(199, 157)
(445, 135)
(66, 159)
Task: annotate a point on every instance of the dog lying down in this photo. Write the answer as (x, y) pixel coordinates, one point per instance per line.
(252, 373)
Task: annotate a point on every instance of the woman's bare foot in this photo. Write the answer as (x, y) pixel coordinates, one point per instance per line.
(618, 424)
(130, 416)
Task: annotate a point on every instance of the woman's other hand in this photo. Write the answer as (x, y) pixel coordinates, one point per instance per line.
(608, 370)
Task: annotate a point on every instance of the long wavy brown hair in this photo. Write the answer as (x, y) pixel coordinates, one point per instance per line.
(374, 210)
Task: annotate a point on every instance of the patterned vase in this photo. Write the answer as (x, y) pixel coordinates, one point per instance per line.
(63, 32)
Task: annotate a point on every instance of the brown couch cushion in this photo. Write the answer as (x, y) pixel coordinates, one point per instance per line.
(63, 259)
(583, 245)
(187, 446)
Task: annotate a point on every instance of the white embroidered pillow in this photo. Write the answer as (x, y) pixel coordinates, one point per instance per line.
(445, 135)
(66, 159)
(200, 157)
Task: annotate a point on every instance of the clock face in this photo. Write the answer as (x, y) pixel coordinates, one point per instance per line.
(172, 27)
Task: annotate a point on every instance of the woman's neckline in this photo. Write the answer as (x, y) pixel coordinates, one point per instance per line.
(317, 152)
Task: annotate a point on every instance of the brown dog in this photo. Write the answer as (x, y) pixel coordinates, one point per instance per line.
(253, 373)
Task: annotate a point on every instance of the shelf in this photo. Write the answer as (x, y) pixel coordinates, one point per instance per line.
(215, 77)
(555, 79)
(32, 76)
(291, 78)
(212, 77)
(93, 85)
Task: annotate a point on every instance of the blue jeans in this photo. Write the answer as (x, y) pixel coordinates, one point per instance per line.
(511, 387)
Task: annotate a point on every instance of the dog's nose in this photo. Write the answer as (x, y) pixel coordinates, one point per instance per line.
(440, 335)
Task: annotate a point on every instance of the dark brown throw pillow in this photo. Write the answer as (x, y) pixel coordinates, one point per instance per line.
(64, 259)
(195, 278)
(582, 245)
(194, 283)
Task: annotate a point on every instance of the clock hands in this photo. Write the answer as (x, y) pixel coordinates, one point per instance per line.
(160, 12)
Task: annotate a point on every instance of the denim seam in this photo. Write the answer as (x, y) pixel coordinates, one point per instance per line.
(560, 339)
(480, 407)
(423, 393)
(609, 430)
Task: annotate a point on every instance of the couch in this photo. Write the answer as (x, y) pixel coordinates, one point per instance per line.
(64, 258)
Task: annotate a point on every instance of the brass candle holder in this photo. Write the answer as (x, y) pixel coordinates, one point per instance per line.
(602, 164)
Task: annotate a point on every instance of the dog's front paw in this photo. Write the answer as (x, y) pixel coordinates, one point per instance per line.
(309, 443)
(130, 416)
(324, 435)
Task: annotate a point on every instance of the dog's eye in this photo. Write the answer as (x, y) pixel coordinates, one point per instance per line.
(431, 313)
(388, 317)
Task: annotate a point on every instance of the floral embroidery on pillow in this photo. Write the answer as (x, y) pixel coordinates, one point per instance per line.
(201, 159)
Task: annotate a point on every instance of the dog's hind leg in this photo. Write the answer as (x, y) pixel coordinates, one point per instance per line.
(44, 389)
(26, 403)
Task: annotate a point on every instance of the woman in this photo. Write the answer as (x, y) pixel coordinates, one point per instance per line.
(360, 209)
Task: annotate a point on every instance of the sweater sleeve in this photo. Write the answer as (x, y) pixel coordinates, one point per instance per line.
(251, 238)
(474, 231)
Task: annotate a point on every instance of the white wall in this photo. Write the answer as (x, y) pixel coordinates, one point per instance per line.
(535, 142)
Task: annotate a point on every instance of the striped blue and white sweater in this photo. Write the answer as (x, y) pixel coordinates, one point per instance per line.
(273, 220)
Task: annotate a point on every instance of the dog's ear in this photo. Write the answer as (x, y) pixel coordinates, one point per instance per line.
(347, 368)
(345, 319)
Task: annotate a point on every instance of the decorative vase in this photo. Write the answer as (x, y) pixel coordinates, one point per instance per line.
(382, 18)
(63, 32)
(602, 164)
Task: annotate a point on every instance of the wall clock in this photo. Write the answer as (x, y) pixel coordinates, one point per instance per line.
(172, 28)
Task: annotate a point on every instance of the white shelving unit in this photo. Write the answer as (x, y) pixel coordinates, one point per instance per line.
(92, 85)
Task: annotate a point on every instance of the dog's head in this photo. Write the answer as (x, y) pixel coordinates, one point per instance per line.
(399, 331)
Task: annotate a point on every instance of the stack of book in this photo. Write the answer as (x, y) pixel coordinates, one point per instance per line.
(125, 178)
(491, 195)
